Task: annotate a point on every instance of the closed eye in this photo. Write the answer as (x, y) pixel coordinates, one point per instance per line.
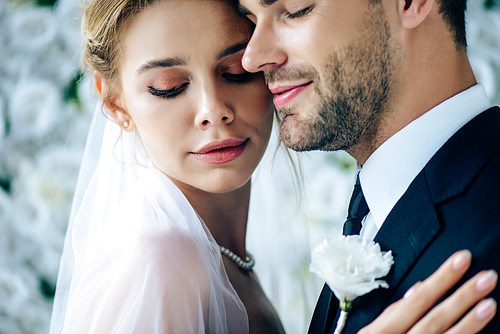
(299, 13)
(168, 93)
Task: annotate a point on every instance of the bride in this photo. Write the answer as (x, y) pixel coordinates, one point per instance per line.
(156, 240)
(171, 190)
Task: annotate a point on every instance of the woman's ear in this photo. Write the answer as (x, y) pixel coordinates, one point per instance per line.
(113, 104)
(414, 12)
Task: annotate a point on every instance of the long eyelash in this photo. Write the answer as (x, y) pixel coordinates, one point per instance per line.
(299, 13)
(167, 93)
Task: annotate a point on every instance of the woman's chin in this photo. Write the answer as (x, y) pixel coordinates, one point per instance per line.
(227, 186)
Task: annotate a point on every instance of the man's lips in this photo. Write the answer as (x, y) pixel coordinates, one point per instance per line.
(220, 152)
(285, 94)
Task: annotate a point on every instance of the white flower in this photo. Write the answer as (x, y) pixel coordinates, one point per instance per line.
(328, 189)
(2, 120)
(35, 108)
(51, 179)
(70, 19)
(483, 44)
(350, 266)
(19, 151)
(33, 28)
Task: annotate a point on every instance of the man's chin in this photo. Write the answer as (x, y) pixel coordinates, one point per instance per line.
(296, 139)
(304, 139)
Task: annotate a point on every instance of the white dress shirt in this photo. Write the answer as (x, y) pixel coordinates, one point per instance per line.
(389, 171)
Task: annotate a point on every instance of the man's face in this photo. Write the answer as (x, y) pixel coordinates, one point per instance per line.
(329, 64)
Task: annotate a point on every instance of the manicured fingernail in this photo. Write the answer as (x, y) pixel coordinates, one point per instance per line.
(486, 309)
(487, 280)
(461, 259)
(409, 292)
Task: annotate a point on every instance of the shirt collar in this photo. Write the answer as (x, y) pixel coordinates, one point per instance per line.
(389, 171)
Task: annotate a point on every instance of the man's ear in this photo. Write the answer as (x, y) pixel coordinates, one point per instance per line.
(113, 104)
(414, 12)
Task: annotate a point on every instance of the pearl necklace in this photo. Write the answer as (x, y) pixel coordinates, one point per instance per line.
(246, 265)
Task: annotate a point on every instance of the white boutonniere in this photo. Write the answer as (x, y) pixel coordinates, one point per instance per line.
(351, 267)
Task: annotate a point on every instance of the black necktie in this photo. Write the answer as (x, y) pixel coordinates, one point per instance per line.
(357, 210)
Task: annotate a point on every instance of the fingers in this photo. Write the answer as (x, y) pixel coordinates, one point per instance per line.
(422, 296)
(443, 279)
(410, 314)
(444, 315)
(402, 315)
(477, 318)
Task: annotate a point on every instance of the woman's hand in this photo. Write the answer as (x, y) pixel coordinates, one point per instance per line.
(411, 314)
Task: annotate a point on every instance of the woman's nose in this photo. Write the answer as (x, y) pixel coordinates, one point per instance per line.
(214, 110)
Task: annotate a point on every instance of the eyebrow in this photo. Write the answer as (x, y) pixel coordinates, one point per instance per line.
(160, 63)
(245, 12)
(231, 50)
(178, 61)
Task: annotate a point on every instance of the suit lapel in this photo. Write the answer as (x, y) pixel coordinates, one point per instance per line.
(407, 231)
(413, 223)
(409, 228)
(324, 313)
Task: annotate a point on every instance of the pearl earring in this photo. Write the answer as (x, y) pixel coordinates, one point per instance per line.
(126, 124)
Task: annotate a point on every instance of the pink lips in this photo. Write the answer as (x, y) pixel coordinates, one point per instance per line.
(221, 152)
(285, 94)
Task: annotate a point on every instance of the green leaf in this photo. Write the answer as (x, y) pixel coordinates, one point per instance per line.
(489, 4)
(71, 90)
(49, 3)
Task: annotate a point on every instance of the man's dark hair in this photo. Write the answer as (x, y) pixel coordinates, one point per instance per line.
(453, 12)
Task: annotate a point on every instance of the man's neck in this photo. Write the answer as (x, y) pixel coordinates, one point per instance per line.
(419, 89)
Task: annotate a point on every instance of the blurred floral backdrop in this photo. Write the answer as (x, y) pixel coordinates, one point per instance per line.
(45, 110)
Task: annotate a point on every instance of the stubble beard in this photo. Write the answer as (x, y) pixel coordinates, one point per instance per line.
(354, 97)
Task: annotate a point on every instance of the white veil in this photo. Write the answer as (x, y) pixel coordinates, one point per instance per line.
(136, 256)
(277, 237)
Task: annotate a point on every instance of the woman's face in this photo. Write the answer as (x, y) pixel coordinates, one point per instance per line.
(203, 119)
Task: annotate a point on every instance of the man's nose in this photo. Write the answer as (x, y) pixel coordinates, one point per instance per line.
(263, 53)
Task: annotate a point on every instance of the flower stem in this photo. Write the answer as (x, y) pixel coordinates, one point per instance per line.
(340, 322)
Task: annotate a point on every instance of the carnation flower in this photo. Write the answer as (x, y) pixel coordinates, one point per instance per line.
(351, 267)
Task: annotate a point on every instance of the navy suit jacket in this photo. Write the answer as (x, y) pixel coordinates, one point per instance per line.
(453, 204)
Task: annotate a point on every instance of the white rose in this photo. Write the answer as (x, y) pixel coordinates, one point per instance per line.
(350, 266)
(14, 152)
(48, 182)
(483, 43)
(327, 190)
(2, 120)
(70, 19)
(33, 28)
(35, 108)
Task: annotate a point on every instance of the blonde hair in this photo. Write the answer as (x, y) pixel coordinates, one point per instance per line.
(103, 25)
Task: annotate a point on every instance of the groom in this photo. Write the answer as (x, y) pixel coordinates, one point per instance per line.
(389, 82)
